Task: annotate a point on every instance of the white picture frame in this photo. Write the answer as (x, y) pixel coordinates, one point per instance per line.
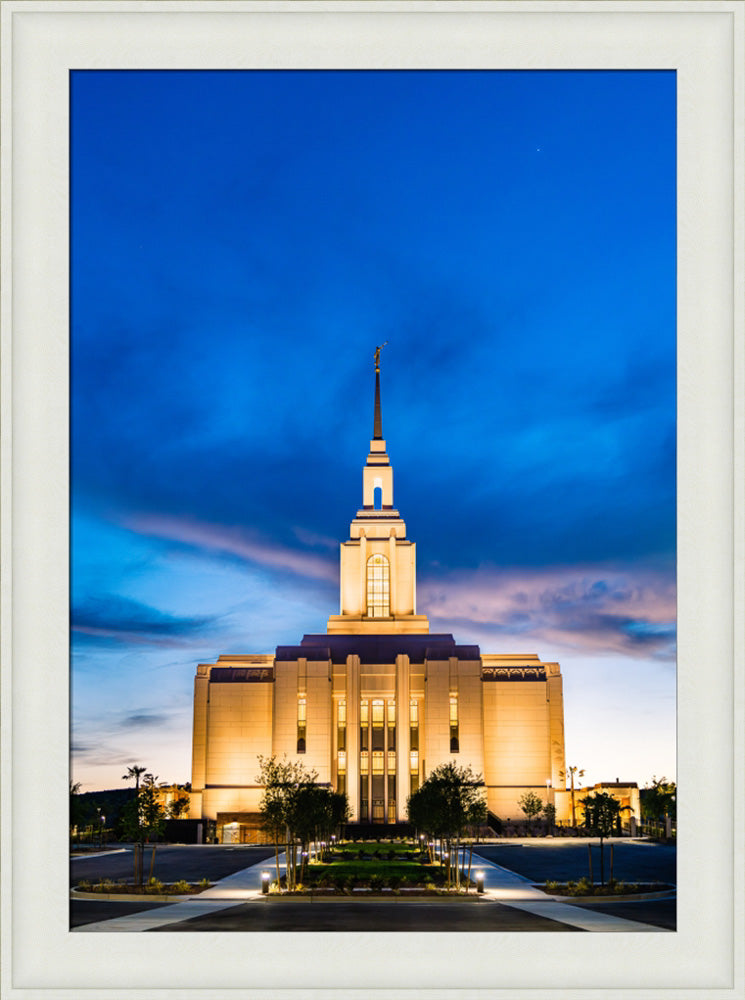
(42, 42)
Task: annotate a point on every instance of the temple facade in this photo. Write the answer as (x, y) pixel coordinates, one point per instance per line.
(376, 702)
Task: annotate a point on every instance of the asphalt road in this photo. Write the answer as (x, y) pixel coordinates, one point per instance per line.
(90, 911)
(566, 859)
(172, 862)
(658, 912)
(285, 915)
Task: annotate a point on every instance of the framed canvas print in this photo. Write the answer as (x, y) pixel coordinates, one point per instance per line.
(262, 256)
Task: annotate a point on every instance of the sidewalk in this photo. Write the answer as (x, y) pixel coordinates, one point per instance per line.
(509, 889)
(233, 890)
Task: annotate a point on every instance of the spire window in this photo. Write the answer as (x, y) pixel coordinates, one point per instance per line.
(378, 587)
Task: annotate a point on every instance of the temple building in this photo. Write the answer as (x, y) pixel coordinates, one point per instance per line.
(376, 702)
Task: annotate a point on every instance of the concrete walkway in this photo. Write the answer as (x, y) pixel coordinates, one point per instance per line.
(238, 888)
(500, 886)
(509, 889)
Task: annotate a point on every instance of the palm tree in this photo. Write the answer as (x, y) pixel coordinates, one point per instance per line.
(134, 772)
(570, 772)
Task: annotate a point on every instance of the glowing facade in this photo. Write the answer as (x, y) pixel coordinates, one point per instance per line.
(376, 702)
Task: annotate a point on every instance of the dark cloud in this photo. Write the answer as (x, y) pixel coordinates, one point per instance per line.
(140, 720)
(114, 618)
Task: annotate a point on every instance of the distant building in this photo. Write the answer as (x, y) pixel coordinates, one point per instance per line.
(626, 792)
(376, 702)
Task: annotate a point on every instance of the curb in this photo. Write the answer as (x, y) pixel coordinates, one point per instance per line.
(98, 854)
(132, 897)
(374, 899)
(600, 900)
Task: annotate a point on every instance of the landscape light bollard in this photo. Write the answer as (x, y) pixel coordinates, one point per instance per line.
(479, 881)
(265, 883)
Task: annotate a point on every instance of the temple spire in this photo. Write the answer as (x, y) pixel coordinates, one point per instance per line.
(378, 421)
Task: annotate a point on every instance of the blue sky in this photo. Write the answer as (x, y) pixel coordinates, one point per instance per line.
(240, 243)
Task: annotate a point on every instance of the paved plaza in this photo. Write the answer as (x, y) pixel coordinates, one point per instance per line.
(510, 901)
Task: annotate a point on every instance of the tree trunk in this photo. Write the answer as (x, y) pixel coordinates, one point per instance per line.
(589, 856)
(470, 862)
(602, 872)
(152, 860)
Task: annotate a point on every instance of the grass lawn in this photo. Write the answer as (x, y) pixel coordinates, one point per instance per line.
(361, 870)
(371, 847)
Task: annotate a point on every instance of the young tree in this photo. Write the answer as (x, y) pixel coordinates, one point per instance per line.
(294, 808)
(142, 818)
(531, 804)
(152, 815)
(602, 817)
(658, 801)
(177, 807)
(549, 811)
(445, 806)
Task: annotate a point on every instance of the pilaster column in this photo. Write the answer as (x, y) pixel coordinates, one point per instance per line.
(403, 689)
(353, 736)
(393, 580)
(363, 574)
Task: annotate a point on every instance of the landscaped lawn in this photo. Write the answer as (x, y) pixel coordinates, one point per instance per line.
(367, 865)
(409, 870)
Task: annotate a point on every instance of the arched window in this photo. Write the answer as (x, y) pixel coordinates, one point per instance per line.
(378, 587)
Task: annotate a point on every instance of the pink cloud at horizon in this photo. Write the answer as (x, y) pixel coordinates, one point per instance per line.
(585, 609)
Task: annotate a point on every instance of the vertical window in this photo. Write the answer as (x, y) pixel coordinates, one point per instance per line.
(377, 713)
(364, 720)
(341, 725)
(301, 721)
(363, 762)
(454, 741)
(378, 587)
(414, 724)
(377, 762)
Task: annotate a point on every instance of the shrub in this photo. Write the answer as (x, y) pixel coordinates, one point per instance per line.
(585, 887)
(204, 883)
(619, 888)
(154, 886)
(84, 886)
(181, 886)
(376, 882)
(551, 886)
(394, 882)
